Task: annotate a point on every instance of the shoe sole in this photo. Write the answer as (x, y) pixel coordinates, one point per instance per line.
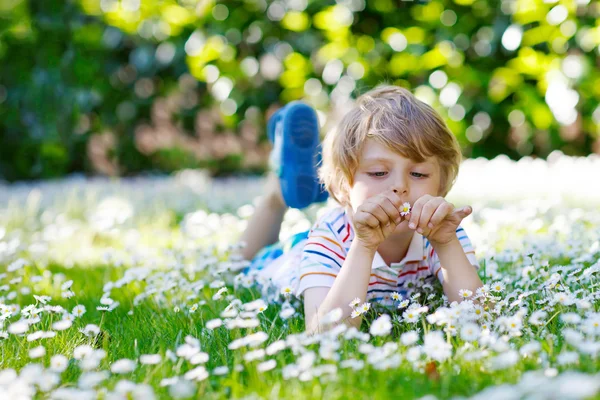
(301, 138)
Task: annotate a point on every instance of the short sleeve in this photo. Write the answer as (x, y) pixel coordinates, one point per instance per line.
(322, 258)
(465, 242)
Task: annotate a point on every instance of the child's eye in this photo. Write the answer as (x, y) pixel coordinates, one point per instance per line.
(420, 175)
(377, 174)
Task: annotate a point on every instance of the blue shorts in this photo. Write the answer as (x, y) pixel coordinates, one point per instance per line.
(269, 253)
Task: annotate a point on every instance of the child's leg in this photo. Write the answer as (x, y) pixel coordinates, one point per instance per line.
(294, 131)
(265, 224)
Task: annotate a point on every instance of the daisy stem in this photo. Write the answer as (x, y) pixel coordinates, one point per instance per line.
(551, 318)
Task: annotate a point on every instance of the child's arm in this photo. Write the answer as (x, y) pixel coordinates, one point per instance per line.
(438, 220)
(351, 282)
(373, 222)
(456, 270)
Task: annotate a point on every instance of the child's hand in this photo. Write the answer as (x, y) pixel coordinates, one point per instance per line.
(437, 219)
(377, 218)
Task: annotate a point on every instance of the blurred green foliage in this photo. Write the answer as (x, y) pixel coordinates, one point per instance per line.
(123, 86)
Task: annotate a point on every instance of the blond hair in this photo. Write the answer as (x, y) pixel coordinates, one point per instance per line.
(394, 117)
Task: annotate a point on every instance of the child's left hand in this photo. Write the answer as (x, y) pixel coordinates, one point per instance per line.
(437, 219)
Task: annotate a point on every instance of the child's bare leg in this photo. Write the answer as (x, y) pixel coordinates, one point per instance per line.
(265, 224)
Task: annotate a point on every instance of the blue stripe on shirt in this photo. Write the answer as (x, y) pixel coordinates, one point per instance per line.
(322, 255)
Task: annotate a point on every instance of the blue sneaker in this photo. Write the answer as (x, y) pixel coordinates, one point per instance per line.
(294, 132)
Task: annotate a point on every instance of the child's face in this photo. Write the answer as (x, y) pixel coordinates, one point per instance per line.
(380, 169)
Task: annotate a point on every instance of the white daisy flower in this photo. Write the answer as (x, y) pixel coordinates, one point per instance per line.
(365, 307)
(404, 209)
(354, 302)
(122, 366)
(58, 363)
(37, 352)
(465, 293)
(409, 338)
(382, 326)
(498, 287)
(404, 303)
(78, 311)
(470, 332)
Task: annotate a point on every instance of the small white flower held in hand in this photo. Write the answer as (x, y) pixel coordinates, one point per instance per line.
(354, 302)
(405, 209)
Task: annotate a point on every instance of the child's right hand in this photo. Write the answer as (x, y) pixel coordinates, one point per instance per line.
(377, 218)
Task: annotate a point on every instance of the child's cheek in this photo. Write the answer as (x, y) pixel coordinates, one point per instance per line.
(359, 193)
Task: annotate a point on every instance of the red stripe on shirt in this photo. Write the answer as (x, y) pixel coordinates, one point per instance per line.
(348, 235)
(327, 248)
(413, 272)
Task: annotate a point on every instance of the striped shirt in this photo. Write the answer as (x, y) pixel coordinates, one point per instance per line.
(328, 244)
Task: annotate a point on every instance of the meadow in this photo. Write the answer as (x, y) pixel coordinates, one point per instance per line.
(132, 289)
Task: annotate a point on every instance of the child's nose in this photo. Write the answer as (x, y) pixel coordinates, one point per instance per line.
(400, 189)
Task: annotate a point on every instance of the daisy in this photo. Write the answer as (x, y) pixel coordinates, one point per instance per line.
(404, 303)
(122, 366)
(436, 347)
(37, 352)
(410, 316)
(194, 307)
(214, 323)
(355, 313)
(266, 366)
(404, 209)
(470, 332)
(150, 359)
(409, 338)
(396, 296)
(364, 307)
(286, 291)
(78, 311)
(222, 370)
(354, 302)
(58, 363)
(498, 287)
(62, 325)
(262, 308)
(465, 293)
(382, 326)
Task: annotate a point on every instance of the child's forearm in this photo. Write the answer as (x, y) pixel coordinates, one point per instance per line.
(351, 282)
(458, 273)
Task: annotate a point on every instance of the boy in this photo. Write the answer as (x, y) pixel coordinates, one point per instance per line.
(389, 150)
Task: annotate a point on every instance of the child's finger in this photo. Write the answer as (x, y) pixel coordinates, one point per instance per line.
(463, 212)
(394, 198)
(391, 210)
(374, 208)
(427, 212)
(439, 214)
(415, 212)
(366, 218)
